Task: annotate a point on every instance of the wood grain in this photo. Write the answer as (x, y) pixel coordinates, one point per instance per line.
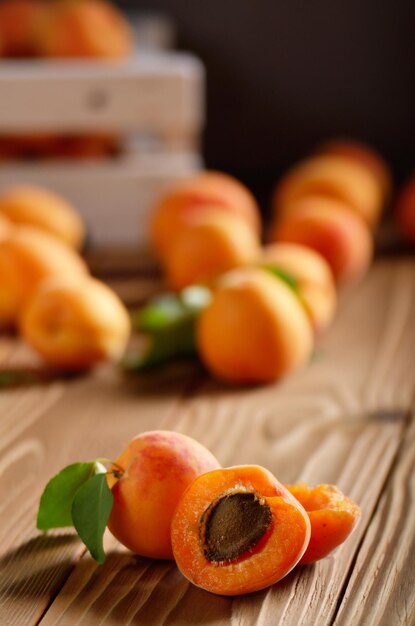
(344, 420)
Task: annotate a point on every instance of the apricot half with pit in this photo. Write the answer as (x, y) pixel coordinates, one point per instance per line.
(238, 530)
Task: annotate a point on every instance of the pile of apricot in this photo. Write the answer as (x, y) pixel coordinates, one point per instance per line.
(81, 29)
(71, 319)
(269, 302)
(230, 531)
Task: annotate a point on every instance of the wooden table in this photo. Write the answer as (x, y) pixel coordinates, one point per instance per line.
(346, 419)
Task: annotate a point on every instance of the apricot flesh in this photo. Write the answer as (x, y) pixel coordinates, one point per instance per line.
(330, 228)
(75, 323)
(43, 209)
(312, 275)
(156, 468)
(190, 195)
(27, 257)
(335, 177)
(255, 548)
(333, 516)
(255, 329)
(208, 244)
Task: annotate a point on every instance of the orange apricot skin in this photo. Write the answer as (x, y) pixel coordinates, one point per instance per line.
(335, 177)
(75, 323)
(158, 467)
(313, 276)
(330, 228)
(28, 256)
(87, 29)
(39, 207)
(18, 22)
(405, 209)
(190, 195)
(208, 244)
(364, 154)
(265, 564)
(255, 330)
(332, 515)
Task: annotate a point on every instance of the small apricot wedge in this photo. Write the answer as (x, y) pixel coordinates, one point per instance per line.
(238, 530)
(149, 479)
(332, 515)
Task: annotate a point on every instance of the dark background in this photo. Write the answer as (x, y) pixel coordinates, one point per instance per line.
(284, 75)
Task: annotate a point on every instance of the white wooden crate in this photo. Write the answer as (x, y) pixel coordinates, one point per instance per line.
(156, 96)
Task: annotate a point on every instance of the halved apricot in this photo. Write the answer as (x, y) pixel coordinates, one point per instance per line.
(237, 530)
(333, 516)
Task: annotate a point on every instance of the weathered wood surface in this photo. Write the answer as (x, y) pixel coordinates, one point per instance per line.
(346, 419)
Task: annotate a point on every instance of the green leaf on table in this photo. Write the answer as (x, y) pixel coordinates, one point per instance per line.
(286, 277)
(91, 509)
(56, 501)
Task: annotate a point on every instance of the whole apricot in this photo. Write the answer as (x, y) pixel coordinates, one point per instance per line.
(208, 244)
(312, 276)
(6, 227)
(330, 228)
(238, 530)
(75, 323)
(333, 516)
(255, 329)
(18, 24)
(334, 177)
(39, 207)
(364, 154)
(84, 29)
(191, 195)
(405, 209)
(27, 257)
(151, 476)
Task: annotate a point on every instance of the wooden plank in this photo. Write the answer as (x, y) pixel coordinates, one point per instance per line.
(341, 420)
(381, 589)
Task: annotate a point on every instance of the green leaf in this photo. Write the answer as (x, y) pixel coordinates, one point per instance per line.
(56, 501)
(91, 509)
(284, 276)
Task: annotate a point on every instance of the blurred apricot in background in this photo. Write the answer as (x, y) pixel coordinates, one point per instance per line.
(405, 209)
(19, 23)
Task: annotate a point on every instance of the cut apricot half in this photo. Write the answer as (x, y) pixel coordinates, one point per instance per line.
(237, 530)
(333, 516)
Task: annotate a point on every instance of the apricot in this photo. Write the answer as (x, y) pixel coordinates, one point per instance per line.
(335, 177)
(255, 329)
(35, 206)
(151, 476)
(6, 227)
(18, 23)
(330, 228)
(312, 276)
(364, 154)
(27, 257)
(191, 195)
(84, 29)
(332, 515)
(208, 244)
(75, 323)
(405, 209)
(238, 530)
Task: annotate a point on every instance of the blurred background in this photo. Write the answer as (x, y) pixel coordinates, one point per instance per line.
(282, 76)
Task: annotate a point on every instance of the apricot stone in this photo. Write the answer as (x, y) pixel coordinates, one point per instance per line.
(312, 275)
(208, 244)
(27, 257)
(43, 209)
(255, 329)
(152, 474)
(75, 324)
(330, 228)
(335, 177)
(84, 29)
(191, 195)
